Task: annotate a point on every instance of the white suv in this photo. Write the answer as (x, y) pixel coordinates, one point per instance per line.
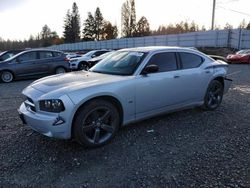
(81, 63)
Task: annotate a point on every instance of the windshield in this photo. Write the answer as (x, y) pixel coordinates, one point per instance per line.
(243, 52)
(89, 53)
(119, 63)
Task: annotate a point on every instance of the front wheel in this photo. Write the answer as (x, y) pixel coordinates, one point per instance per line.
(96, 123)
(83, 66)
(7, 76)
(213, 96)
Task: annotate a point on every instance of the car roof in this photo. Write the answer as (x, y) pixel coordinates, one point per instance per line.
(153, 48)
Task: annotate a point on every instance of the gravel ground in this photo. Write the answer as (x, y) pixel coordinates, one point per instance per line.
(191, 148)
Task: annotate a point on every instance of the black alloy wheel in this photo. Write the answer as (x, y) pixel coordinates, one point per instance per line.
(96, 123)
(83, 66)
(214, 95)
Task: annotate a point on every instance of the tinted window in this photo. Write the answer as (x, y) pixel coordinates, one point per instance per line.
(44, 55)
(166, 61)
(57, 54)
(99, 53)
(189, 60)
(27, 56)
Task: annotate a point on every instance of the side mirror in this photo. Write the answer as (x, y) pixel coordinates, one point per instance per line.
(150, 69)
(93, 56)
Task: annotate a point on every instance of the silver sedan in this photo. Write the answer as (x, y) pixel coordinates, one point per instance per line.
(128, 86)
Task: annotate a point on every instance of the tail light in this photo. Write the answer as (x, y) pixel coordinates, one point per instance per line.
(66, 59)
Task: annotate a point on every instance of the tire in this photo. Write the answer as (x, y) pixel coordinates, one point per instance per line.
(60, 70)
(213, 95)
(7, 76)
(83, 66)
(96, 123)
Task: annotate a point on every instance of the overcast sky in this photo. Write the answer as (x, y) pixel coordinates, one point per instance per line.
(21, 18)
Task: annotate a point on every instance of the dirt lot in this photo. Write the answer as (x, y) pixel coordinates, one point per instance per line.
(190, 148)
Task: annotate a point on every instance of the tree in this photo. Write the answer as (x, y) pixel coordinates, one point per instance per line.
(109, 31)
(126, 31)
(96, 28)
(99, 23)
(128, 14)
(228, 26)
(46, 31)
(71, 31)
(243, 24)
(75, 23)
(132, 17)
(248, 26)
(143, 28)
(47, 37)
(89, 28)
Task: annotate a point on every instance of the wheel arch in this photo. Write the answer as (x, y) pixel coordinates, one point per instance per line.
(109, 98)
(59, 66)
(220, 79)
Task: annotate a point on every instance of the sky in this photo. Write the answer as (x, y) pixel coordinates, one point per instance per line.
(21, 18)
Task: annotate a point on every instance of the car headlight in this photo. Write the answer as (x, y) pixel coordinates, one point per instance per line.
(73, 60)
(52, 105)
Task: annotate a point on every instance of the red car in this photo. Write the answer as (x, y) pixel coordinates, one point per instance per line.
(242, 56)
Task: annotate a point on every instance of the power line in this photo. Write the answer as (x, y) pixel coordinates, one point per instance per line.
(236, 11)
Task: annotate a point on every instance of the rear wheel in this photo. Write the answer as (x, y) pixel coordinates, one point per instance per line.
(7, 76)
(60, 70)
(96, 123)
(83, 66)
(213, 96)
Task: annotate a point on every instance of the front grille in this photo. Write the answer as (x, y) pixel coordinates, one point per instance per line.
(29, 103)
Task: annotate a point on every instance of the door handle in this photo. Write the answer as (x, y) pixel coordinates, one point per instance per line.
(207, 71)
(176, 76)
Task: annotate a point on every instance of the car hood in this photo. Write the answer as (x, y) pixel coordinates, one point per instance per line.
(66, 83)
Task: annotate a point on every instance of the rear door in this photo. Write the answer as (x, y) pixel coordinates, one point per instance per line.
(45, 61)
(193, 76)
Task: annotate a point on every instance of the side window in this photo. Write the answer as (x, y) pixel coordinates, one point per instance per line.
(29, 56)
(45, 54)
(166, 61)
(190, 60)
(98, 53)
(57, 54)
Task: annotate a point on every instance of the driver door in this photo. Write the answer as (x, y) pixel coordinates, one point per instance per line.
(157, 91)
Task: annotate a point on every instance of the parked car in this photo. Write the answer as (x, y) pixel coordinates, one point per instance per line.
(81, 62)
(95, 60)
(128, 86)
(72, 55)
(8, 54)
(32, 63)
(242, 56)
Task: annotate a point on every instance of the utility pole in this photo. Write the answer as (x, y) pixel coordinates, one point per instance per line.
(213, 13)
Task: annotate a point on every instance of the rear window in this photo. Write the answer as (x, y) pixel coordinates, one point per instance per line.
(57, 54)
(190, 60)
(45, 54)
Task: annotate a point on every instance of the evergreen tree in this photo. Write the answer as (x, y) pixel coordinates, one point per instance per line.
(89, 28)
(98, 23)
(75, 23)
(71, 31)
